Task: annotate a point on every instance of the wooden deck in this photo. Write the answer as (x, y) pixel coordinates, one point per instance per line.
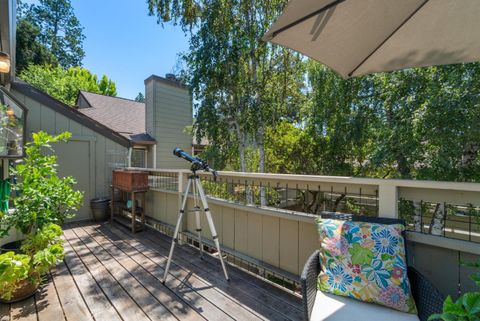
(110, 274)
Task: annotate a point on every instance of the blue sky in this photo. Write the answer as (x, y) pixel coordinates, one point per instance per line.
(126, 44)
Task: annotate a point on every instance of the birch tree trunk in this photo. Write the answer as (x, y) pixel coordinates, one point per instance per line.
(241, 145)
(261, 166)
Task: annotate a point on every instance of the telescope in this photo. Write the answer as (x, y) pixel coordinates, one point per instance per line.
(194, 184)
(197, 163)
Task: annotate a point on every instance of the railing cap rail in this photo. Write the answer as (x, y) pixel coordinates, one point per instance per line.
(442, 185)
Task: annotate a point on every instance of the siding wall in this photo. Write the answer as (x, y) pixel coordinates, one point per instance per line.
(104, 154)
(168, 112)
(286, 240)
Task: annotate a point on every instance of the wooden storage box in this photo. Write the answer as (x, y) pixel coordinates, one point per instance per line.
(130, 180)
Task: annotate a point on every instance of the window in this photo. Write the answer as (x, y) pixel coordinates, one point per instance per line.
(139, 157)
(12, 126)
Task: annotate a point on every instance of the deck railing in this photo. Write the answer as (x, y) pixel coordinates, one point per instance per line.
(266, 224)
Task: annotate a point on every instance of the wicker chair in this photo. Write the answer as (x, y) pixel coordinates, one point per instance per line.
(427, 298)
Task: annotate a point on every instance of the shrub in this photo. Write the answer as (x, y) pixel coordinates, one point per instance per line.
(42, 196)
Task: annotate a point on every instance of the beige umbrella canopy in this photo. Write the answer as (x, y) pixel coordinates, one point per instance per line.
(358, 37)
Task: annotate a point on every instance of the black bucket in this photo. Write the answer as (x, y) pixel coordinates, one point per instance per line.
(12, 246)
(100, 208)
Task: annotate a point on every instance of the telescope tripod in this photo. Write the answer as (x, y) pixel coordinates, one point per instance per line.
(196, 185)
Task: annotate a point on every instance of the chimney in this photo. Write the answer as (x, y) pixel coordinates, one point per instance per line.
(168, 112)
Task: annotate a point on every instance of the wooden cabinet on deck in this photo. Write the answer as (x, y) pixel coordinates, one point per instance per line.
(132, 183)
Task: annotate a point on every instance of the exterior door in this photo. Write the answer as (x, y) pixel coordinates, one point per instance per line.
(75, 159)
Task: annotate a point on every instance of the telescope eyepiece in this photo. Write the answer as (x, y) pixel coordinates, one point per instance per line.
(177, 152)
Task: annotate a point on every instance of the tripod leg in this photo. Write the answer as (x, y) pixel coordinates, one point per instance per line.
(177, 228)
(197, 219)
(211, 224)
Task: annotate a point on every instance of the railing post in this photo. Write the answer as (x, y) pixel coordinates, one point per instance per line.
(182, 184)
(388, 200)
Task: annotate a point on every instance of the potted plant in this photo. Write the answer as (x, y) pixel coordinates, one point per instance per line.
(466, 307)
(43, 202)
(20, 274)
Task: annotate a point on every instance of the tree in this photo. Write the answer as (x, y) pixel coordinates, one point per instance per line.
(29, 50)
(107, 86)
(64, 84)
(340, 120)
(261, 109)
(59, 29)
(140, 98)
(241, 83)
(414, 123)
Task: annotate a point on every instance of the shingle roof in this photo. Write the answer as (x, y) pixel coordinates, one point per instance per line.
(124, 116)
(69, 112)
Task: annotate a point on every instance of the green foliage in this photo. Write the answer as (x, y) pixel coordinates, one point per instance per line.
(406, 210)
(43, 196)
(415, 123)
(241, 83)
(43, 200)
(285, 145)
(105, 86)
(64, 84)
(45, 248)
(42, 250)
(242, 192)
(13, 269)
(140, 98)
(29, 50)
(266, 105)
(59, 30)
(466, 307)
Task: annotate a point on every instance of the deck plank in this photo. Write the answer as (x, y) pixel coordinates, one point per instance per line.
(99, 305)
(172, 302)
(74, 308)
(112, 274)
(206, 290)
(47, 303)
(288, 304)
(152, 307)
(249, 283)
(123, 303)
(186, 293)
(4, 312)
(214, 278)
(24, 310)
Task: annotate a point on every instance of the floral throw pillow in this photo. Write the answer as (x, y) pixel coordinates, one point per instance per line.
(365, 261)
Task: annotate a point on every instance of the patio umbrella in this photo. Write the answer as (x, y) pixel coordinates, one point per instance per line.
(358, 37)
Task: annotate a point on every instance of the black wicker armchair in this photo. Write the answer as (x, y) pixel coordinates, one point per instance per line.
(427, 298)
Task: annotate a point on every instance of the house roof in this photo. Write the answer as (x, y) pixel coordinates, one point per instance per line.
(124, 116)
(69, 112)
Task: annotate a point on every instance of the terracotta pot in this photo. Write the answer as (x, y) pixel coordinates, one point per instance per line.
(25, 290)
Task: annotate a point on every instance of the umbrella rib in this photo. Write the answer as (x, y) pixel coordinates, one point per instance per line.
(388, 38)
(310, 15)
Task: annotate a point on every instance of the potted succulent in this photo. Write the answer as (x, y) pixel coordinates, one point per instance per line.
(43, 202)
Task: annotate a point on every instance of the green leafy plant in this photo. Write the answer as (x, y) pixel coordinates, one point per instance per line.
(41, 251)
(44, 248)
(43, 196)
(466, 307)
(44, 200)
(14, 268)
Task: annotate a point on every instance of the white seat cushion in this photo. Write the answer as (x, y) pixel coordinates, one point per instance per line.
(330, 307)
